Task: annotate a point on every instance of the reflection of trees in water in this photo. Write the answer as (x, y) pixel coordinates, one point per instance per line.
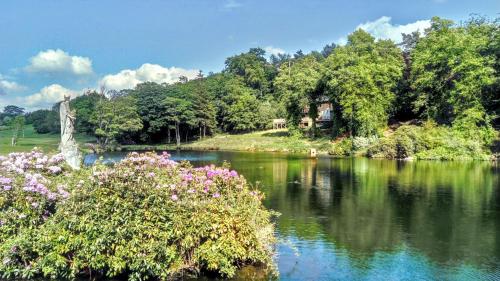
(447, 210)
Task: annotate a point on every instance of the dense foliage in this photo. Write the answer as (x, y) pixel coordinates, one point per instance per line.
(429, 142)
(145, 217)
(452, 74)
(361, 78)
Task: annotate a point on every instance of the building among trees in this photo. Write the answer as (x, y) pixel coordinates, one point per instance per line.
(324, 119)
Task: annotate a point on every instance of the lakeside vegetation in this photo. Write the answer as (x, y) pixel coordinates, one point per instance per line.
(434, 96)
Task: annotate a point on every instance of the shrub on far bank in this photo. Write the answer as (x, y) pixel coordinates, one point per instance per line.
(433, 142)
(341, 148)
(146, 217)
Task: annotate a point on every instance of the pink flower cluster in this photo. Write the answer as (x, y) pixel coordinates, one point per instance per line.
(5, 183)
(150, 159)
(180, 181)
(37, 183)
(31, 169)
(20, 162)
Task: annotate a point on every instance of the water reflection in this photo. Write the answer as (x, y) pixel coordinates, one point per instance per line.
(353, 219)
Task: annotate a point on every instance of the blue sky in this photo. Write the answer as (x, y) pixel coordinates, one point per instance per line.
(51, 48)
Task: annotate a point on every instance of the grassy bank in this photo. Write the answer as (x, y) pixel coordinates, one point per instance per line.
(30, 139)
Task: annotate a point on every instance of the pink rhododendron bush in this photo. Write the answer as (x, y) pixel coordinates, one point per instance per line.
(146, 217)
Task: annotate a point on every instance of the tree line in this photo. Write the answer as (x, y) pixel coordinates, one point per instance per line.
(449, 74)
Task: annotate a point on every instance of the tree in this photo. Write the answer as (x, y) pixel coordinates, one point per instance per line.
(44, 121)
(242, 113)
(114, 116)
(17, 127)
(451, 75)
(238, 107)
(13, 110)
(203, 107)
(279, 59)
(84, 105)
(149, 98)
(328, 49)
(298, 55)
(361, 78)
(405, 97)
(179, 113)
(253, 67)
(300, 86)
(267, 111)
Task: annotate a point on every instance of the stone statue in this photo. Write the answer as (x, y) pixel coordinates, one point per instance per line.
(68, 145)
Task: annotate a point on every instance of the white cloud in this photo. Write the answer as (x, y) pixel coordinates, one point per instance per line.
(7, 86)
(128, 78)
(270, 50)
(46, 97)
(59, 61)
(382, 28)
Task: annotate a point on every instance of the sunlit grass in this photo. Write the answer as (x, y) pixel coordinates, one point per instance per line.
(30, 139)
(271, 140)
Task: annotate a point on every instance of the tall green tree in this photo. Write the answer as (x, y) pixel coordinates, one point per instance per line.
(253, 67)
(300, 86)
(149, 98)
(405, 96)
(179, 112)
(451, 75)
(361, 78)
(203, 107)
(114, 116)
(44, 121)
(239, 106)
(84, 106)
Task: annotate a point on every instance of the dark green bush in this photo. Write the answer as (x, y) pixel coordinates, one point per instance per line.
(341, 148)
(385, 148)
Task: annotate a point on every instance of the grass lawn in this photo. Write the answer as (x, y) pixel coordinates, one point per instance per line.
(47, 142)
(271, 140)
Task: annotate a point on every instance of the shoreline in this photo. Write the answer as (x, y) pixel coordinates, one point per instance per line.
(322, 154)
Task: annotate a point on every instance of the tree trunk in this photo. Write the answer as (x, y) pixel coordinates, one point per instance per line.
(204, 130)
(187, 131)
(177, 134)
(168, 135)
(200, 133)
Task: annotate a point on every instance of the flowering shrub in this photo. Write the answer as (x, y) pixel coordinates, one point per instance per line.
(29, 190)
(145, 217)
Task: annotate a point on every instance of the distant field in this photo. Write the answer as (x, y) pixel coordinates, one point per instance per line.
(47, 142)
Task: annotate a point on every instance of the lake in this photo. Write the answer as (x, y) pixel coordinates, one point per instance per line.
(366, 219)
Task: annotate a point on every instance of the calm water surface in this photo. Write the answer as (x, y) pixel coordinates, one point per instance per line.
(362, 219)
